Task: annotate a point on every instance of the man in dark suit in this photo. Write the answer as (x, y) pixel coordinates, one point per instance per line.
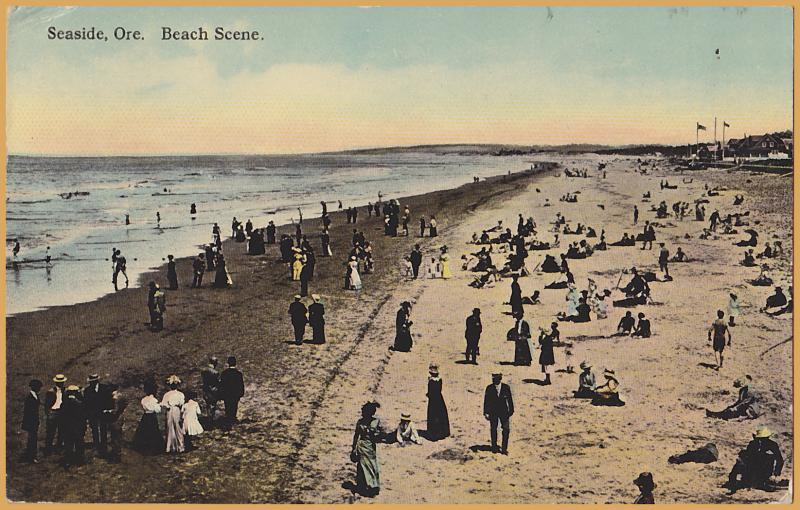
(30, 421)
(297, 311)
(231, 385)
(96, 399)
(473, 335)
(305, 276)
(498, 406)
(416, 260)
(316, 318)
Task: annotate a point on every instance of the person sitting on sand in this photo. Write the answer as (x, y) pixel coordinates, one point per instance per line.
(786, 309)
(757, 464)
(626, 325)
(764, 279)
(738, 199)
(746, 405)
(767, 253)
(749, 260)
(777, 249)
(549, 265)
(581, 313)
(406, 433)
(608, 394)
(776, 300)
(680, 256)
(643, 328)
(638, 288)
(586, 382)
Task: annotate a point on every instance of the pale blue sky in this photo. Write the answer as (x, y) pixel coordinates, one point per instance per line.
(607, 75)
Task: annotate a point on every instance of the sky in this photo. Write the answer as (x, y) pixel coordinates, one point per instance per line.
(325, 79)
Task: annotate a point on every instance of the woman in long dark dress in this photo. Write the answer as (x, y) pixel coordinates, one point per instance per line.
(221, 277)
(521, 335)
(438, 419)
(402, 339)
(148, 438)
(516, 296)
(365, 451)
(172, 274)
(546, 356)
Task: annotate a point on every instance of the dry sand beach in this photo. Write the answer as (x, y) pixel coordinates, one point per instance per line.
(301, 403)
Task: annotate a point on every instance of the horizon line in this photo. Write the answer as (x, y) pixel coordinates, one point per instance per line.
(358, 149)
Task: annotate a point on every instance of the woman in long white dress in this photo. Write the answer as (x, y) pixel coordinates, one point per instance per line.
(573, 296)
(355, 278)
(172, 403)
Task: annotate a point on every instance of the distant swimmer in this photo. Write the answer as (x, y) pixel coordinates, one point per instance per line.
(127, 219)
(16, 248)
(193, 209)
(47, 257)
(158, 217)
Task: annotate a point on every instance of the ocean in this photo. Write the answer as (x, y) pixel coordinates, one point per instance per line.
(82, 229)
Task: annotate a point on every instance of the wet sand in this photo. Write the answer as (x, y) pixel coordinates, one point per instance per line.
(302, 402)
(285, 385)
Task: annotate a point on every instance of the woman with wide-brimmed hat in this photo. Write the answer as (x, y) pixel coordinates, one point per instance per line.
(608, 394)
(438, 418)
(365, 450)
(646, 486)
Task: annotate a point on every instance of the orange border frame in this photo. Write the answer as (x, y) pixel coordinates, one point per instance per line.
(7, 4)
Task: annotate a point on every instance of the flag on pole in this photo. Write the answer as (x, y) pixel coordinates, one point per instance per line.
(700, 127)
(725, 124)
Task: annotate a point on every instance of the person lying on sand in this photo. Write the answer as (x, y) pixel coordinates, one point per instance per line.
(751, 241)
(706, 454)
(561, 284)
(746, 405)
(625, 241)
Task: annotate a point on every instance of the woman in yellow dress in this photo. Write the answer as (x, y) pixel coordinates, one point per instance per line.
(444, 259)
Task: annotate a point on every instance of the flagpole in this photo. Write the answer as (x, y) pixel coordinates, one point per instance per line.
(697, 139)
(715, 138)
(723, 140)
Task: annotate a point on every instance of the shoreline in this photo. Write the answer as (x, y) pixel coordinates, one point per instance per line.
(109, 336)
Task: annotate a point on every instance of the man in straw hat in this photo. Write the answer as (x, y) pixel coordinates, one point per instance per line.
(52, 413)
(498, 406)
(297, 312)
(316, 319)
(756, 464)
(472, 334)
(406, 431)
